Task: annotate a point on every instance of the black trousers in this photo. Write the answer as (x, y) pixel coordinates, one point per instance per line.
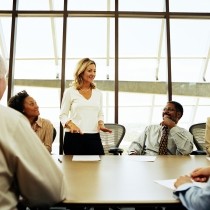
(82, 144)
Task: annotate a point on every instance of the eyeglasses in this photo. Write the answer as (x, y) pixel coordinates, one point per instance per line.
(169, 109)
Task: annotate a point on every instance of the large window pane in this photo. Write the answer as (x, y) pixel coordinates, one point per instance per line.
(40, 5)
(39, 49)
(6, 5)
(90, 37)
(190, 44)
(189, 6)
(142, 5)
(141, 49)
(94, 5)
(142, 74)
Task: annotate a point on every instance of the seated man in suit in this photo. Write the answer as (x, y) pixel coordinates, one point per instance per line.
(179, 140)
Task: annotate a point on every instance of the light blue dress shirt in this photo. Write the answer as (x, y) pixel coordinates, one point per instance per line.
(194, 197)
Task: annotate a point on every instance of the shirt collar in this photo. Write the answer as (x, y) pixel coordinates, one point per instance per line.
(39, 122)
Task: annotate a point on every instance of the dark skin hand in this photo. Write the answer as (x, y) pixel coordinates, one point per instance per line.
(167, 122)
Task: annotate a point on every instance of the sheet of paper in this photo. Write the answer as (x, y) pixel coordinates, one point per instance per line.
(169, 183)
(86, 158)
(142, 158)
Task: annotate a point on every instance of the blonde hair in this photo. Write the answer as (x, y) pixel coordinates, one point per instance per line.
(80, 68)
(3, 67)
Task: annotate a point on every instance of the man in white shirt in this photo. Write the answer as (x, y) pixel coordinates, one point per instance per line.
(180, 140)
(27, 170)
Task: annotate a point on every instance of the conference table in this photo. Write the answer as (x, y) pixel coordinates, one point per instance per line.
(124, 180)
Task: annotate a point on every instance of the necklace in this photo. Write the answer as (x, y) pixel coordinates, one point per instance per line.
(85, 90)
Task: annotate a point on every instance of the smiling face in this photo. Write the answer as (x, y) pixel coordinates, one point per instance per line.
(170, 112)
(30, 107)
(89, 74)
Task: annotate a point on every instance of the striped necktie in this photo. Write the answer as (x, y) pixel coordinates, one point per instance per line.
(164, 141)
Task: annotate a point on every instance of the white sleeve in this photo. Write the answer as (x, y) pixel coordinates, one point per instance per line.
(101, 114)
(65, 107)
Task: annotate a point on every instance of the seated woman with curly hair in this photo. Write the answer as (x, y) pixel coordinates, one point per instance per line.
(25, 104)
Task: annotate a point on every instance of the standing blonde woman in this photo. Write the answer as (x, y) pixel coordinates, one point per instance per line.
(81, 113)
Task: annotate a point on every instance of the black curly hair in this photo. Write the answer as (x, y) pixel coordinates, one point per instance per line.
(16, 101)
(178, 106)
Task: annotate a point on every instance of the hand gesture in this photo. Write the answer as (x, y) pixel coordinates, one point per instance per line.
(103, 128)
(201, 174)
(167, 121)
(73, 128)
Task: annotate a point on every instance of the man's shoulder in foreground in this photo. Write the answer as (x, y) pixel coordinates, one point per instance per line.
(8, 114)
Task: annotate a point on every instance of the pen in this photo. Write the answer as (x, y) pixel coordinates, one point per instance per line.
(59, 160)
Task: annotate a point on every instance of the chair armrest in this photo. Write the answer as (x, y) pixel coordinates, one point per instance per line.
(198, 152)
(116, 151)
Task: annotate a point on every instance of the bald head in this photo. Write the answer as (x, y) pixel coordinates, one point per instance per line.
(3, 72)
(3, 68)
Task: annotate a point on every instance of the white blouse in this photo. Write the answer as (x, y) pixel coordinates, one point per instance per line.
(84, 113)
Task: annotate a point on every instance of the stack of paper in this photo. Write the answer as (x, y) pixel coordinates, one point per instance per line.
(169, 183)
(86, 158)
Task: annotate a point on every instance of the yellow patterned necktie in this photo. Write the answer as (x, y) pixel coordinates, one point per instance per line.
(164, 141)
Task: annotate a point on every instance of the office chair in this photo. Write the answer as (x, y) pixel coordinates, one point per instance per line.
(111, 141)
(198, 132)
